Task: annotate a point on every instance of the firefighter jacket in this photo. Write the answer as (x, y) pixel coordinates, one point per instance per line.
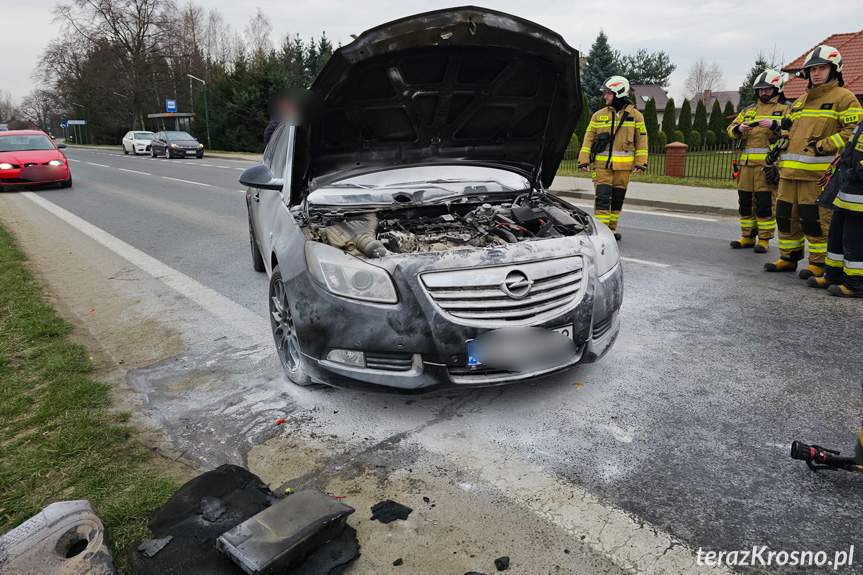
(823, 120)
(758, 140)
(629, 147)
(845, 190)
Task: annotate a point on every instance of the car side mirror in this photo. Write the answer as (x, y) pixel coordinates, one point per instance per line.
(259, 176)
(61, 146)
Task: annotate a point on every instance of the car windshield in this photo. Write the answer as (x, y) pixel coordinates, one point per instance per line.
(418, 184)
(178, 136)
(28, 142)
(143, 135)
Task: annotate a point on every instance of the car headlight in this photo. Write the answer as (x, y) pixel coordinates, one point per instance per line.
(173, 145)
(200, 145)
(55, 163)
(605, 246)
(5, 166)
(348, 276)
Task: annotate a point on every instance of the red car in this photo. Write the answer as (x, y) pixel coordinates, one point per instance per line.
(30, 157)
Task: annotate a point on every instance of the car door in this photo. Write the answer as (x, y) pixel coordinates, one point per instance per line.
(268, 203)
(159, 143)
(126, 142)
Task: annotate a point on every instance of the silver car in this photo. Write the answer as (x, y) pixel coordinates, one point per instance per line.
(404, 222)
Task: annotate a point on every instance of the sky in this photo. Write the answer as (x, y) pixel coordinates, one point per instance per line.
(726, 32)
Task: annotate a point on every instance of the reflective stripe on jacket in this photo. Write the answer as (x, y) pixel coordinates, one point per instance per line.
(823, 120)
(758, 139)
(630, 144)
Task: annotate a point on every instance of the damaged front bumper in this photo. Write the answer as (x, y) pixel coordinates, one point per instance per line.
(420, 343)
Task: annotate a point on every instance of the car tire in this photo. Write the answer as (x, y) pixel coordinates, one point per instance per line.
(134, 150)
(67, 183)
(257, 258)
(284, 332)
(152, 152)
(199, 156)
(125, 151)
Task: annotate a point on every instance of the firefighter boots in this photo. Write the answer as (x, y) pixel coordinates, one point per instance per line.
(781, 266)
(812, 270)
(842, 291)
(743, 243)
(816, 282)
(762, 247)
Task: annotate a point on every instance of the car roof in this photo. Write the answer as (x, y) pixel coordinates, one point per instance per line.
(23, 133)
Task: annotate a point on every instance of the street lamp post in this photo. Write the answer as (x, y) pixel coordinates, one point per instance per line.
(206, 110)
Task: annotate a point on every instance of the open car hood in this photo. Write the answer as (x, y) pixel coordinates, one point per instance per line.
(462, 86)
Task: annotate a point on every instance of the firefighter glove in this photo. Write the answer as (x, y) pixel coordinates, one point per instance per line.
(771, 175)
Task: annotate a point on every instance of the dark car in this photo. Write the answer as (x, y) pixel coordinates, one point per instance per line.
(405, 226)
(176, 145)
(29, 157)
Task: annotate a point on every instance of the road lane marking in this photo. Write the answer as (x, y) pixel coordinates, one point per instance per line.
(626, 540)
(187, 181)
(650, 213)
(224, 167)
(645, 262)
(214, 302)
(73, 160)
(100, 165)
(241, 169)
(208, 165)
(134, 172)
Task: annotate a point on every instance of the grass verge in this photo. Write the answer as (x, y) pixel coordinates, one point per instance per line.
(58, 439)
(653, 179)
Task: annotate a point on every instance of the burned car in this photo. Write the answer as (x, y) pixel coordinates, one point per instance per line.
(405, 224)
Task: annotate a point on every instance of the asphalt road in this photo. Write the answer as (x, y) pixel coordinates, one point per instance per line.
(685, 425)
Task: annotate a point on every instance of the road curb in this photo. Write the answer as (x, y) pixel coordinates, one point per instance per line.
(676, 206)
(246, 157)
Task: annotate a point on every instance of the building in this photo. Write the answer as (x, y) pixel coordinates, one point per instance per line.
(724, 97)
(644, 92)
(850, 45)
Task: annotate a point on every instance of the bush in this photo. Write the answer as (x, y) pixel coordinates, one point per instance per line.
(661, 141)
(694, 140)
(710, 138)
(678, 136)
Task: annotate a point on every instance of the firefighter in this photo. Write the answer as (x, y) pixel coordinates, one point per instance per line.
(844, 194)
(616, 142)
(822, 121)
(759, 126)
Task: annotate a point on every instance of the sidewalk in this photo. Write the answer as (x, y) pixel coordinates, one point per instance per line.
(666, 196)
(233, 156)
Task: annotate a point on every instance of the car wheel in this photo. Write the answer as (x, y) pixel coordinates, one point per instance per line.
(134, 150)
(152, 152)
(67, 183)
(284, 332)
(257, 258)
(199, 156)
(125, 151)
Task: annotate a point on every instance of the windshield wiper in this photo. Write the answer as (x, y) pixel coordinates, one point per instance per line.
(349, 185)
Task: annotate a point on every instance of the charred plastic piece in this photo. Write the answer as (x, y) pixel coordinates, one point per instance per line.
(65, 538)
(282, 536)
(388, 511)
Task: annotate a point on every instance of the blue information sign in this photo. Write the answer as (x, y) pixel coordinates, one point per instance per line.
(171, 105)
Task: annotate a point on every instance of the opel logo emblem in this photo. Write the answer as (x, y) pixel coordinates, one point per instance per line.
(516, 284)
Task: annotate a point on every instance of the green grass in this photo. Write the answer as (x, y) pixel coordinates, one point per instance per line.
(58, 439)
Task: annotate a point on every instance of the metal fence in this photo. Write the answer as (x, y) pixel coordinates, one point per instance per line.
(705, 163)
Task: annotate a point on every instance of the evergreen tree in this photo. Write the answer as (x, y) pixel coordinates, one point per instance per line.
(700, 122)
(717, 123)
(600, 65)
(650, 121)
(684, 123)
(584, 119)
(728, 116)
(748, 96)
(669, 121)
(645, 68)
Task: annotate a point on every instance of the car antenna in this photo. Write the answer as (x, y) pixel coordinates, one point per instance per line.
(537, 168)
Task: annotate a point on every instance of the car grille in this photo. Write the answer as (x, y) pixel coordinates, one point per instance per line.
(483, 374)
(389, 361)
(479, 297)
(602, 327)
(12, 180)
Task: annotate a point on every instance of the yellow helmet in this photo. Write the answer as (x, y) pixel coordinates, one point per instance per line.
(617, 85)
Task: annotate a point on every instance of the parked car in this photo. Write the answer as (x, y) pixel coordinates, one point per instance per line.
(176, 145)
(137, 142)
(404, 225)
(29, 157)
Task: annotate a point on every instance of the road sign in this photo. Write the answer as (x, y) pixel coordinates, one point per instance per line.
(171, 105)
(64, 125)
(4, 127)
(76, 122)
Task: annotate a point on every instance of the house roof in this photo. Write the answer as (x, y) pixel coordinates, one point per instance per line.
(850, 45)
(644, 92)
(709, 97)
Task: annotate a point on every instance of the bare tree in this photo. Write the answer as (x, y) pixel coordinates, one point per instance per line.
(703, 76)
(258, 33)
(7, 107)
(41, 107)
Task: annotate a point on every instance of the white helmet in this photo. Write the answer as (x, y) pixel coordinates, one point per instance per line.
(769, 79)
(823, 55)
(617, 85)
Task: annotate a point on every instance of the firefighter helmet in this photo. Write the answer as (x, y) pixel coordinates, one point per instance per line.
(769, 79)
(617, 85)
(823, 55)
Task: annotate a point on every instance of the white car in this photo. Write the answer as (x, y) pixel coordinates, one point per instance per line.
(137, 142)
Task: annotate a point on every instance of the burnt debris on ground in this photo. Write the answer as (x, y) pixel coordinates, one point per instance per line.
(389, 511)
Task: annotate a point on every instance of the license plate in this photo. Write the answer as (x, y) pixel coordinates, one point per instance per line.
(472, 362)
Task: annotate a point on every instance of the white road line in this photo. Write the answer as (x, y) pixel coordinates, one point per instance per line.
(187, 181)
(241, 169)
(134, 172)
(645, 262)
(211, 300)
(627, 210)
(100, 165)
(191, 163)
(208, 165)
(73, 160)
(224, 167)
(632, 544)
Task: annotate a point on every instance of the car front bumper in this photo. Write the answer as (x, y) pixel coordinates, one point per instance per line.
(413, 347)
(34, 175)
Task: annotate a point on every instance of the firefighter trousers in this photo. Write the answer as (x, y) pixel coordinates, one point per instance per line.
(610, 188)
(756, 199)
(845, 250)
(798, 219)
